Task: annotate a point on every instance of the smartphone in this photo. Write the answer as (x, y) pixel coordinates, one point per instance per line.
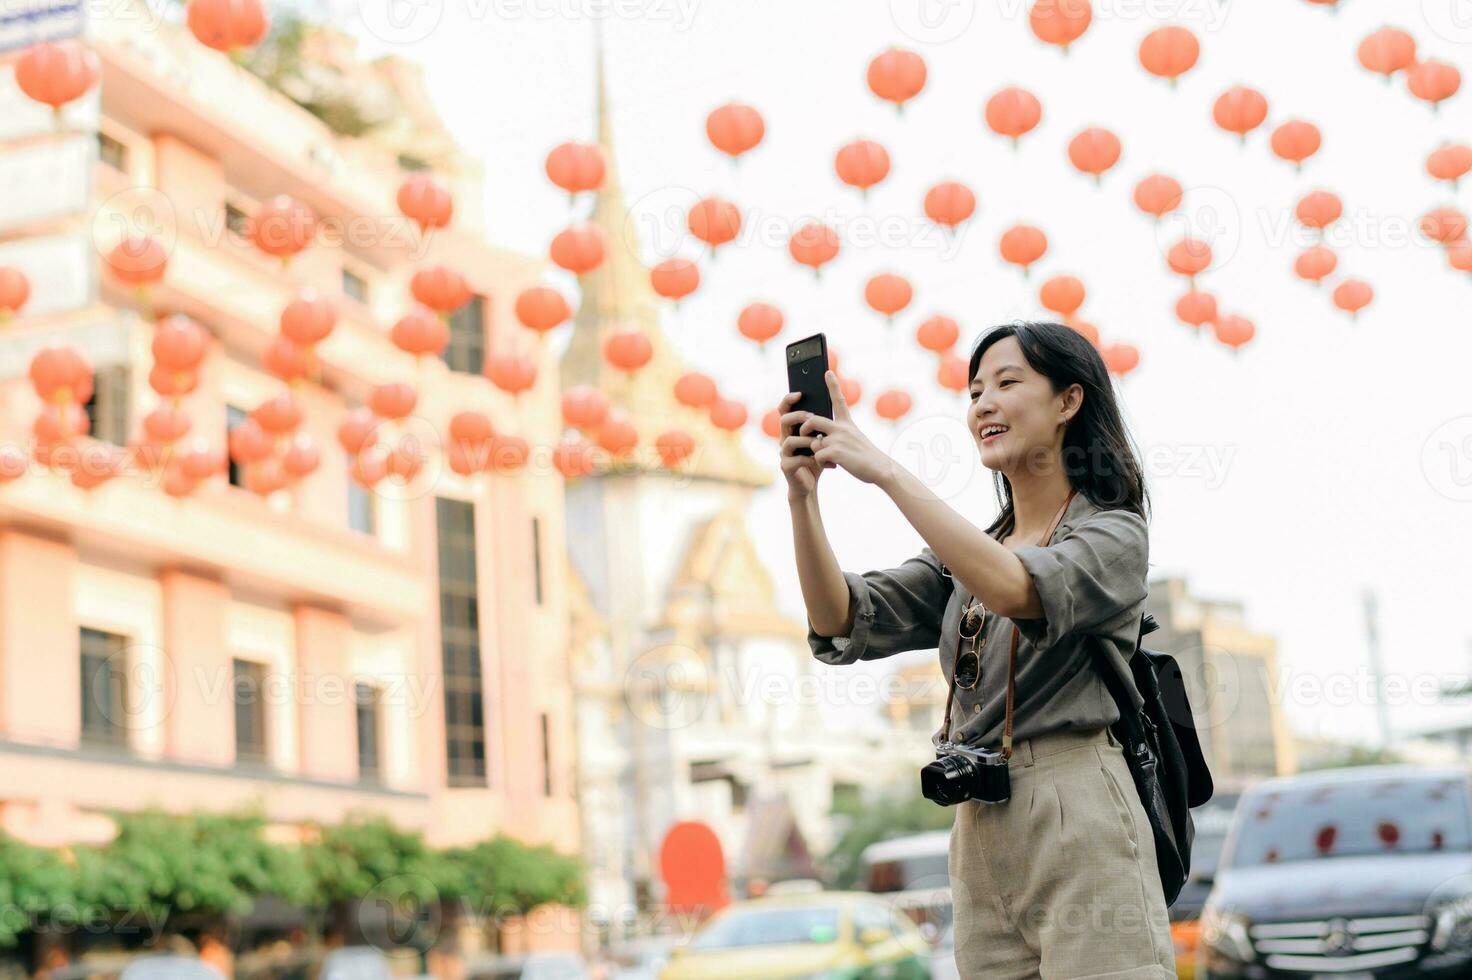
(807, 361)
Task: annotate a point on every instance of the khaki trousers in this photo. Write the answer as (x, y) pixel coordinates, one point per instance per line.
(1060, 882)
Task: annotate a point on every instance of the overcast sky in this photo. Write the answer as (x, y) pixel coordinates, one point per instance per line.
(1329, 457)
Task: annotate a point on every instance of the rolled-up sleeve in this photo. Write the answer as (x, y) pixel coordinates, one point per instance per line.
(1088, 576)
(894, 610)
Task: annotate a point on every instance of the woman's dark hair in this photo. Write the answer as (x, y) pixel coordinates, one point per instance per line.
(1099, 457)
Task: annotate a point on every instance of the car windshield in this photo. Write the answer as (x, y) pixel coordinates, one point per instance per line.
(1211, 821)
(1384, 816)
(769, 927)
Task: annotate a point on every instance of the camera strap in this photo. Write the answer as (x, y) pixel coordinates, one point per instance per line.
(945, 730)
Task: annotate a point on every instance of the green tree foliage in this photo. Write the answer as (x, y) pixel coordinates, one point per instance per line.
(503, 876)
(869, 823)
(199, 865)
(36, 886)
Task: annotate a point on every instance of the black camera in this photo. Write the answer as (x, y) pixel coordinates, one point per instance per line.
(962, 772)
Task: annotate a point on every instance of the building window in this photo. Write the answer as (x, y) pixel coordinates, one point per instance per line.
(365, 698)
(537, 558)
(354, 286)
(250, 711)
(546, 756)
(104, 688)
(361, 516)
(234, 417)
(465, 728)
(467, 348)
(112, 152)
(237, 222)
(107, 409)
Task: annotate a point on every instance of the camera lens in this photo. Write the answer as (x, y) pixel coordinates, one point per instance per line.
(945, 780)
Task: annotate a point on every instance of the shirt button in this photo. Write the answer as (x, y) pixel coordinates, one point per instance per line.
(976, 709)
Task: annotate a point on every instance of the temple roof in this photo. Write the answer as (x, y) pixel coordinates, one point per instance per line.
(618, 295)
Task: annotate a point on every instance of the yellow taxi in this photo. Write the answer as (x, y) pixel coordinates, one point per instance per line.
(817, 936)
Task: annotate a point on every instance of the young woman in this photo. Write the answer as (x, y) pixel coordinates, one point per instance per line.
(1059, 880)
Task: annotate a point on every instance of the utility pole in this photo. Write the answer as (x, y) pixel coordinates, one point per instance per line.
(1372, 642)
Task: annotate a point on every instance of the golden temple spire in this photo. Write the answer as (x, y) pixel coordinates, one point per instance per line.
(618, 295)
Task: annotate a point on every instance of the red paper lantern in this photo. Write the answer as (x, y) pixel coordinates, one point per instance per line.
(574, 458)
(358, 431)
(513, 373)
(60, 375)
(617, 436)
(508, 453)
(695, 390)
(1319, 209)
(1315, 263)
(675, 278)
(674, 447)
(179, 344)
(1240, 110)
(368, 469)
(1013, 112)
(1444, 225)
(542, 308)
(301, 457)
(727, 414)
(759, 322)
(283, 227)
(308, 318)
(1158, 195)
(897, 76)
(1387, 51)
(249, 442)
(1188, 257)
(166, 425)
(285, 360)
(579, 249)
(440, 288)
(772, 424)
(228, 25)
(888, 294)
(1196, 308)
(628, 349)
(1023, 245)
(55, 73)
(862, 164)
(938, 334)
(813, 245)
(137, 261)
(734, 128)
(1296, 141)
(1084, 329)
(1433, 81)
(949, 203)
(584, 407)
(278, 415)
(1094, 151)
(420, 332)
(172, 384)
(392, 401)
(892, 405)
(576, 167)
(1233, 330)
(1353, 295)
(1449, 162)
(15, 289)
(951, 374)
(1120, 359)
(1169, 52)
(471, 428)
(714, 221)
(1060, 22)
(1062, 294)
(426, 201)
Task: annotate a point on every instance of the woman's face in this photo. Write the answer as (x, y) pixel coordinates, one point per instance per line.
(1007, 394)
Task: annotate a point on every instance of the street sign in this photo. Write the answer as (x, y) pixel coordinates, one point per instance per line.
(24, 22)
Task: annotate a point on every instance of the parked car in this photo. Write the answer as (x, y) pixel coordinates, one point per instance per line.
(641, 959)
(1212, 820)
(1355, 873)
(531, 966)
(794, 937)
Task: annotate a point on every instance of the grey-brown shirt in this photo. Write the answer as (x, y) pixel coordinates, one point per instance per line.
(1092, 583)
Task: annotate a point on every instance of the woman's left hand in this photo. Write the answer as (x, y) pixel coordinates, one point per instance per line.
(842, 444)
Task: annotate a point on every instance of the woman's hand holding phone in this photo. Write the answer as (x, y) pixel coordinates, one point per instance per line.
(834, 442)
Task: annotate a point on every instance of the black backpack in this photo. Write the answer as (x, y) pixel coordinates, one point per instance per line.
(1164, 754)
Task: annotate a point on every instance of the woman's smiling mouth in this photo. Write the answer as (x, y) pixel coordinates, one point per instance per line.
(991, 432)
